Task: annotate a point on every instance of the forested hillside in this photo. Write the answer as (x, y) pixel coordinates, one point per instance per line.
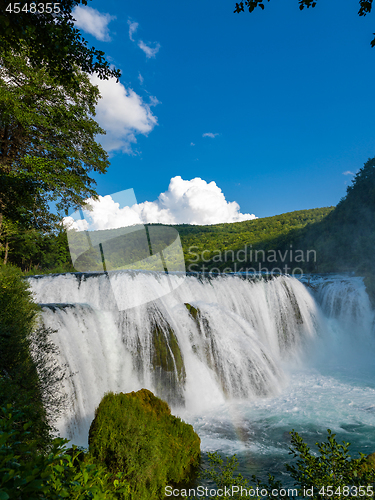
(345, 239)
(240, 245)
(319, 240)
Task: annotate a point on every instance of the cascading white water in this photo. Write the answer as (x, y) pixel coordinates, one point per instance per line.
(349, 339)
(346, 300)
(207, 342)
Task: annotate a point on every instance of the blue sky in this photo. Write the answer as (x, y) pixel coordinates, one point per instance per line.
(285, 95)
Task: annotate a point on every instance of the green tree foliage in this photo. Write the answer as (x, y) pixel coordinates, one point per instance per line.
(365, 7)
(359, 202)
(136, 433)
(222, 473)
(328, 473)
(35, 252)
(47, 136)
(19, 378)
(331, 468)
(48, 146)
(52, 41)
(29, 376)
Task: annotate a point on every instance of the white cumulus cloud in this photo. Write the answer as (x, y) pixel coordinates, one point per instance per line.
(347, 172)
(92, 21)
(149, 51)
(210, 134)
(185, 202)
(132, 29)
(123, 114)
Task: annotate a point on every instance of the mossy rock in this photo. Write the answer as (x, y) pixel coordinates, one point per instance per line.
(168, 364)
(200, 321)
(194, 311)
(166, 353)
(207, 350)
(150, 402)
(294, 302)
(136, 434)
(204, 331)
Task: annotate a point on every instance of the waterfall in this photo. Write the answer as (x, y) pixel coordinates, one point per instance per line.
(345, 299)
(349, 339)
(209, 340)
(243, 360)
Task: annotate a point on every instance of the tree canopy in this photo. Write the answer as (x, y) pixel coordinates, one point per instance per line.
(48, 145)
(365, 7)
(48, 33)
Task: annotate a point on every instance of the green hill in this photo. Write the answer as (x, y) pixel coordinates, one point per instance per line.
(345, 239)
(319, 240)
(245, 245)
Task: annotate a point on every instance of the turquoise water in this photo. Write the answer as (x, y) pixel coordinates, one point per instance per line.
(258, 432)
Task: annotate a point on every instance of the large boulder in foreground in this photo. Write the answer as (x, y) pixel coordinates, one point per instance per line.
(135, 433)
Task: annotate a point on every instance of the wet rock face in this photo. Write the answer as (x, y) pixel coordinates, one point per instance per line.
(169, 370)
(208, 350)
(156, 353)
(194, 311)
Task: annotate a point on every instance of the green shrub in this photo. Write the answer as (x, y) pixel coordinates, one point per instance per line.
(329, 474)
(30, 377)
(28, 474)
(332, 466)
(19, 382)
(136, 434)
